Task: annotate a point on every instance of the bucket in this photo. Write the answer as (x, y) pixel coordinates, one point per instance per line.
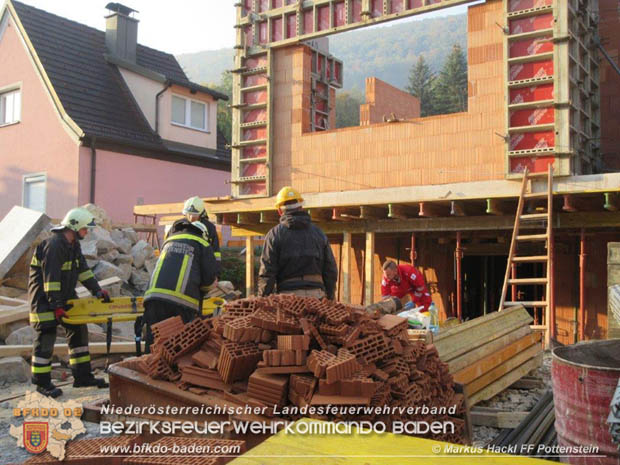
(584, 377)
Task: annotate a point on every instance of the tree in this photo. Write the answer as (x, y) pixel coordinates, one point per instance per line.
(347, 110)
(224, 113)
(421, 80)
(450, 90)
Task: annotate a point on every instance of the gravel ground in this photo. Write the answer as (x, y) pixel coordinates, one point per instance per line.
(516, 400)
(13, 454)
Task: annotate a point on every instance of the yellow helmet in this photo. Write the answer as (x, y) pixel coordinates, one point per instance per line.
(76, 219)
(287, 194)
(194, 206)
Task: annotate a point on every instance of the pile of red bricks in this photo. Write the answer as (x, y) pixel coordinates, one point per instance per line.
(284, 349)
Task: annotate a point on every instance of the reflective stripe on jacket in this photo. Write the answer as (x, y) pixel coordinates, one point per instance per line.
(186, 264)
(55, 269)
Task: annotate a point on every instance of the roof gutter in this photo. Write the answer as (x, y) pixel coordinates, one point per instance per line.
(167, 84)
(93, 167)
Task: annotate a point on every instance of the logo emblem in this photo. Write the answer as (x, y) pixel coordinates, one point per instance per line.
(35, 436)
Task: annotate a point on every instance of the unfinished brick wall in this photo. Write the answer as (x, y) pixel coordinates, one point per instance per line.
(609, 31)
(384, 101)
(460, 147)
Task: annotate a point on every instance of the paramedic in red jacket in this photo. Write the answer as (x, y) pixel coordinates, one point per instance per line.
(399, 280)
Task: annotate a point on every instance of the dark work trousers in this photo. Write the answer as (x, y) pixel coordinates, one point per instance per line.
(156, 310)
(43, 349)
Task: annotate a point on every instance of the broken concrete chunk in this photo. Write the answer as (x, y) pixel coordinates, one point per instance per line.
(91, 263)
(123, 258)
(18, 229)
(20, 337)
(126, 271)
(110, 256)
(105, 270)
(140, 279)
(149, 264)
(140, 252)
(131, 235)
(98, 233)
(89, 249)
(124, 245)
(14, 370)
(117, 234)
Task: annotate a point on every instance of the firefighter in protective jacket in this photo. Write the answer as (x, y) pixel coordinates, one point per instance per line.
(297, 258)
(194, 210)
(185, 268)
(56, 267)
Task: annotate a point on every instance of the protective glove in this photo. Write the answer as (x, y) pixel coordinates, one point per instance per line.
(60, 313)
(104, 295)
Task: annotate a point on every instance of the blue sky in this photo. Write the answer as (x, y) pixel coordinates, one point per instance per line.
(180, 26)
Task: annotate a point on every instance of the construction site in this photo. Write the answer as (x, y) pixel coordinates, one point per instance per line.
(504, 217)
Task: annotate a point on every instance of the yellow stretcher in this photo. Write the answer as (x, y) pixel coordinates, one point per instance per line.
(93, 310)
(119, 309)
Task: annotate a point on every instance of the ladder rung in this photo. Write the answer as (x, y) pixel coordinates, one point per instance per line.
(527, 281)
(530, 259)
(528, 303)
(534, 216)
(535, 195)
(532, 237)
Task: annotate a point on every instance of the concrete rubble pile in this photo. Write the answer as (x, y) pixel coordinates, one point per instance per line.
(285, 350)
(113, 252)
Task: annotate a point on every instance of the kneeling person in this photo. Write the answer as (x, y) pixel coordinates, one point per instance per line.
(184, 270)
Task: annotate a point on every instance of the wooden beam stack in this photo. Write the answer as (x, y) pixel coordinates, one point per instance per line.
(490, 353)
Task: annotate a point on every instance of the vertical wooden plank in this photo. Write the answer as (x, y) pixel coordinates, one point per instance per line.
(249, 266)
(369, 268)
(346, 267)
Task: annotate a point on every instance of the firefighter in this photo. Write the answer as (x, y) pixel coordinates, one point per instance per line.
(185, 268)
(194, 210)
(400, 280)
(297, 258)
(56, 267)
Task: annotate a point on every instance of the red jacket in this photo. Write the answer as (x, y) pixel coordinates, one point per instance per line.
(409, 281)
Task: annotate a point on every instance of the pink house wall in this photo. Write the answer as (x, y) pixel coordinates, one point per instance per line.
(125, 180)
(40, 142)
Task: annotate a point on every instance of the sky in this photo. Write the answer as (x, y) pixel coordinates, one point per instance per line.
(178, 26)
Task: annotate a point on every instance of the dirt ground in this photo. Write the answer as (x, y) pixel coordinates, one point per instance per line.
(13, 454)
(510, 399)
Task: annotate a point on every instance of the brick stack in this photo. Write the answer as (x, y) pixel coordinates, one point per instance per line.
(284, 349)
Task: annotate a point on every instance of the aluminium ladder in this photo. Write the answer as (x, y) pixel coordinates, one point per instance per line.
(537, 220)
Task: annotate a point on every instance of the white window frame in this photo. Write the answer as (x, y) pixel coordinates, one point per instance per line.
(188, 113)
(31, 178)
(14, 88)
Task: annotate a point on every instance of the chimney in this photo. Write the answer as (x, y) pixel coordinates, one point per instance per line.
(121, 32)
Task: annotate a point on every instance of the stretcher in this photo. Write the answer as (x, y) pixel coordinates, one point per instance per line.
(92, 310)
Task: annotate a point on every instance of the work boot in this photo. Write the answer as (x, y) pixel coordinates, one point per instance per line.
(89, 382)
(49, 390)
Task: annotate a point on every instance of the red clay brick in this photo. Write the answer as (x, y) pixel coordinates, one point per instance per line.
(237, 360)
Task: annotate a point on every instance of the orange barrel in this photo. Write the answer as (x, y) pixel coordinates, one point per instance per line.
(584, 377)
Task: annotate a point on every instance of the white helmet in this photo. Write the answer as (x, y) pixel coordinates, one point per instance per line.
(76, 219)
(194, 206)
(200, 225)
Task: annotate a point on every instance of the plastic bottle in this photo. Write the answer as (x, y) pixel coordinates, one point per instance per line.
(434, 326)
